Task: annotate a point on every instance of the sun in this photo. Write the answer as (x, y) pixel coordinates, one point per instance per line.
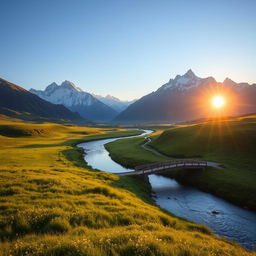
(218, 101)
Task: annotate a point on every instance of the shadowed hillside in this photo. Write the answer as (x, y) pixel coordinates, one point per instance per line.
(17, 102)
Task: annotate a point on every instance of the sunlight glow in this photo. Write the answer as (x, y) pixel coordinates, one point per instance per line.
(218, 101)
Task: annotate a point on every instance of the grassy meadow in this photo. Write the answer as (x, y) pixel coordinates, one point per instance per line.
(53, 204)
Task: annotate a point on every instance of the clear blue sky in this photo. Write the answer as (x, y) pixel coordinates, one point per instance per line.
(125, 48)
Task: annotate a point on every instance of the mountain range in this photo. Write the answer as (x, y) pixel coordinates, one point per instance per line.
(90, 106)
(187, 98)
(18, 102)
(77, 100)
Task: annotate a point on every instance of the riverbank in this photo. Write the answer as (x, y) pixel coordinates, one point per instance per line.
(220, 182)
(129, 152)
(52, 204)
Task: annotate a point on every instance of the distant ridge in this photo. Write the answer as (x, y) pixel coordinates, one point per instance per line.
(113, 102)
(15, 99)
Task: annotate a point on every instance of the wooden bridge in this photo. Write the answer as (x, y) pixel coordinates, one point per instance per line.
(165, 166)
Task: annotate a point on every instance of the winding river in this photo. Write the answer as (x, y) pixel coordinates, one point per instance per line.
(231, 222)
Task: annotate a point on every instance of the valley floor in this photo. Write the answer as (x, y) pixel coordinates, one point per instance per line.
(52, 203)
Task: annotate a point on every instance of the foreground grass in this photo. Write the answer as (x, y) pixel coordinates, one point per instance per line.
(51, 203)
(229, 142)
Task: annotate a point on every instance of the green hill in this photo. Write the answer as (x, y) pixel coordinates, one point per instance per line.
(230, 142)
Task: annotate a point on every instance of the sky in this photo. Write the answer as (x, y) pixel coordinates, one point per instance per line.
(126, 48)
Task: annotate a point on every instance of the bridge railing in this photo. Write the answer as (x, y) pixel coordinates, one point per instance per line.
(172, 163)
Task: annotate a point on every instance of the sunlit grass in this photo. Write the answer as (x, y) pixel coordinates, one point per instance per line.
(52, 203)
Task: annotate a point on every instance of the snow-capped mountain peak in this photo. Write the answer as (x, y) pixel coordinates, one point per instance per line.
(190, 74)
(67, 94)
(77, 100)
(184, 82)
(50, 88)
(69, 85)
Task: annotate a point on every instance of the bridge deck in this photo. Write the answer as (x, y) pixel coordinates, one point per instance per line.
(164, 166)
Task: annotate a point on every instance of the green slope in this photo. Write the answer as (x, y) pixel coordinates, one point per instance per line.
(229, 142)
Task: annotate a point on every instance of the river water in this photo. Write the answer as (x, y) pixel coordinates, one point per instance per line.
(232, 222)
